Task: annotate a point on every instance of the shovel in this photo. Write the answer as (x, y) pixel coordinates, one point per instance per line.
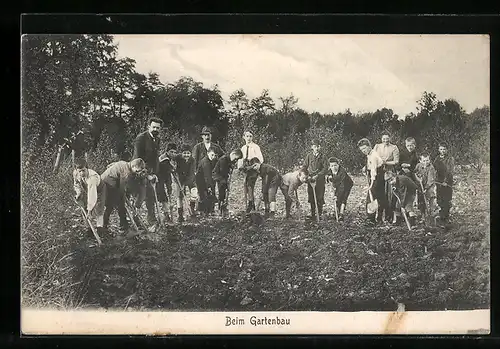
(427, 206)
(87, 219)
(372, 206)
(336, 210)
(403, 211)
(313, 185)
(161, 216)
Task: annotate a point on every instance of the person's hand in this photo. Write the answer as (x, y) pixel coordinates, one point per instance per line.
(152, 178)
(405, 165)
(88, 211)
(210, 191)
(328, 178)
(78, 196)
(314, 178)
(335, 198)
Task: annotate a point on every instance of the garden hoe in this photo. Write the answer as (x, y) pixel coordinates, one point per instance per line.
(161, 216)
(87, 219)
(403, 211)
(313, 185)
(427, 206)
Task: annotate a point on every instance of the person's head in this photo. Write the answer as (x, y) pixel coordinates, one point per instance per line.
(303, 175)
(211, 154)
(248, 136)
(334, 164)
(365, 146)
(255, 163)
(81, 167)
(315, 146)
(410, 144)
(235, 155)
(138, 166)
(386, 139)
(172, 150)
(155, 126)
(425, 159)
(442, 149)
(186, 152)
(206, 134)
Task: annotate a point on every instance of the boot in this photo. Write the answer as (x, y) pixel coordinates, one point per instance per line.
(180, 212)
(266, 210)
(320, 210)
(288, 206)
(272, 208)
(225, 211)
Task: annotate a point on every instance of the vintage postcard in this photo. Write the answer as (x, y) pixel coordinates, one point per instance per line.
(255, 184)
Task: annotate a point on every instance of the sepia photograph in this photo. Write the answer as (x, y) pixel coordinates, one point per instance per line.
(225, 184)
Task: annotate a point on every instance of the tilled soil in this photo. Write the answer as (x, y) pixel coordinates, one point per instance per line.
(248, 263)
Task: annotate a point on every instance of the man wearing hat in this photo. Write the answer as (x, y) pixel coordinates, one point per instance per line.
(250, 150)
(200, 150)
(168, 166)
(146, 147)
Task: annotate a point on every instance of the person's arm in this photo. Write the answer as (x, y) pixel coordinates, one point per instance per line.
(325, 166)
(196, 157)
(305, 165)
(374, 162)
(258, 153)
(190, 175)
(450, 171)
(76, 184)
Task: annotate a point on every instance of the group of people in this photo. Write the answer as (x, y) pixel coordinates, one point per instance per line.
(188, 177)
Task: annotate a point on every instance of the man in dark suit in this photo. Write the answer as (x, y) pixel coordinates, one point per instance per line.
(146, 147)
(200, 150)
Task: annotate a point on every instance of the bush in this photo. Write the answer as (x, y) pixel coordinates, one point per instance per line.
(46, 233)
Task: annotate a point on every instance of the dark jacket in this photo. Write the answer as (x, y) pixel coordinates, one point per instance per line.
(165, 173)
(270, 176)
(199, 152)
(405, 157)
(444, 169)
(185, 171)
(204, 173)
(316, 165)
(341, 181)
(222, 170)
(405, 188)
(147, 149)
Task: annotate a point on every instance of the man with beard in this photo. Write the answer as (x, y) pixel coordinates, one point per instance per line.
(146, 147)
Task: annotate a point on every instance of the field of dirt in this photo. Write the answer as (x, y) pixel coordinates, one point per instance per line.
(245, 264)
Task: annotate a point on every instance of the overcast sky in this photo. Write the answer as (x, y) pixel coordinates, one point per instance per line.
(327, 73)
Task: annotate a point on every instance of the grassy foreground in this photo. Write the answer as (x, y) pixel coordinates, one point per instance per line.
(245, 264)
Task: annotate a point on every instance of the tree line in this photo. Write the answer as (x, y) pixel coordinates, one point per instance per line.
(73, 83)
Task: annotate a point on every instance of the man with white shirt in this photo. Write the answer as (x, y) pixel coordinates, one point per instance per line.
(250, 150)
(200, 151)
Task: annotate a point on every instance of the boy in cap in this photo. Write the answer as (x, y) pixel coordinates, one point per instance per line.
(184, 181)
(375, 174)
(405, 189)
(90, 191)
(316, 164)
(200, 150)
(221, 175)
(250, 150)
(117, 178)
(425, 175)
(445, 166)
(271, 181)
(205, 182)
(168, 166)
(291, 181)
(342, 184)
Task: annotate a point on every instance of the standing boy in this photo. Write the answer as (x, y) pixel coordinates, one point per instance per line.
(117, 178)
(375, 173)
(168, 166)
(250, 150)
(184, 181)
(445, 166)
(342, 184)
(205, 183)
(221, 175)
(90, 191)
(425, 176)
(271, 181)
(316, 164)
(290, 182)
